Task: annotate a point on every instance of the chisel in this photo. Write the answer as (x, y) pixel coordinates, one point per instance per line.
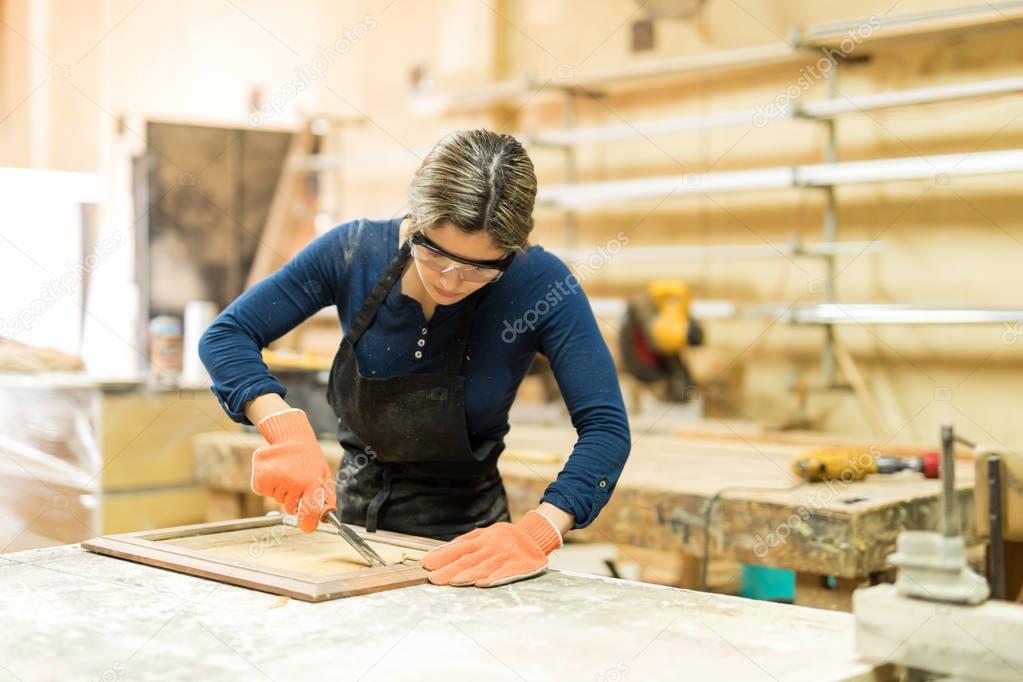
(353, 539)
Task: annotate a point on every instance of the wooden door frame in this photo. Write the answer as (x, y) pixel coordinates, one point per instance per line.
(147, 547)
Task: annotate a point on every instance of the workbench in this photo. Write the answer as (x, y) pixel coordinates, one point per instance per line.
(68, 613)
(836, 536)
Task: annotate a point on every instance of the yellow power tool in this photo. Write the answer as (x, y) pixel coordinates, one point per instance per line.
(848, 464)
(657, 330)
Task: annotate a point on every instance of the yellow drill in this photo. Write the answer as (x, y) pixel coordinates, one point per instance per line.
(848, 464)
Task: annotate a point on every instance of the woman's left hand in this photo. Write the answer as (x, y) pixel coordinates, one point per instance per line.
(495, 555)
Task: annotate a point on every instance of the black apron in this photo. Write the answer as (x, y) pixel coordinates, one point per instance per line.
(409, 463)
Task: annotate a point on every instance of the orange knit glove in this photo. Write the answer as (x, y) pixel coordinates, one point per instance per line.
(495, 555)
(292, 469)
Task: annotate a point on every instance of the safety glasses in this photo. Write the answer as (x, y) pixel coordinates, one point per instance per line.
(433, 257)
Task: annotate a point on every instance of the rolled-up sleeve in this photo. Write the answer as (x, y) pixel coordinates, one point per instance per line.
(586, 375)
(231, 348)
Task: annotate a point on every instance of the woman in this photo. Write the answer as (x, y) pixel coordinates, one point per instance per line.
(443, 312)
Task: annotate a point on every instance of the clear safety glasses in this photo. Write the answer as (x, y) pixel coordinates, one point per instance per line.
(433, 257)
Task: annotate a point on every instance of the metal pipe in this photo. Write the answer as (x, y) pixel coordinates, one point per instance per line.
(830, 235)
(896, 313)
(916, 25)
(950, 521)
(649, 128)
(909, 98)
(568, 119)
(824, 109)
(588, 195)
(672, 254)
(996, 553)
(839, 313)
(758, 57)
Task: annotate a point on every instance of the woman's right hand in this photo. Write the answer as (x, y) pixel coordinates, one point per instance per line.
(292, 468)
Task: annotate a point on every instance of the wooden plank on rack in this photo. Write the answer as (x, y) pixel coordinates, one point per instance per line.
(277, 242)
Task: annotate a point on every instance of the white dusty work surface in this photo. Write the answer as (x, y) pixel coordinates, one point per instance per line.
(69, 614)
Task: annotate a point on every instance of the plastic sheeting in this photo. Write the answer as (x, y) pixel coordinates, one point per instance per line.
(50, 461)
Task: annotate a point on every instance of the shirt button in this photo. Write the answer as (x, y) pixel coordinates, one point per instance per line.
(424, 330)
(419, 354)
(421, 343)
(603, 484)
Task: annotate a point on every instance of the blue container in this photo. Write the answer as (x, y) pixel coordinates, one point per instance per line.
(767, 583)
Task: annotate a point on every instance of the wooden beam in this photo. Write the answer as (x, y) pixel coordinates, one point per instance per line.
(276, 244)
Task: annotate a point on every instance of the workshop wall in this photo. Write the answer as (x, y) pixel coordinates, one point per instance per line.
(947, 243)
(955, 242)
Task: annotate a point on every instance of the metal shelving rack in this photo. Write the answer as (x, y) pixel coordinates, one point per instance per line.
(815, 40)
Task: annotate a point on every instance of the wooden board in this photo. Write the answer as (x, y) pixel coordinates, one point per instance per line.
(126, 511)
(292, 550)
(268, 553)
(146, 437)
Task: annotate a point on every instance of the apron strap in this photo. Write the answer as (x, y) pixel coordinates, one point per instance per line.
(379, 293)
(373, 510)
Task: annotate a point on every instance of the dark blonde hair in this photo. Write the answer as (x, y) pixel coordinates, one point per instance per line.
(476, 180)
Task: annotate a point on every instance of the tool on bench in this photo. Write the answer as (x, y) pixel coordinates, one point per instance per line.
(353, 539)
(655, 334)
(847, 464)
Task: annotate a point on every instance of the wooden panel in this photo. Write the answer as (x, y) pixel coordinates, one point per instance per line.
(269, 554)
(130, 511)
(282, 546)
(147, 435)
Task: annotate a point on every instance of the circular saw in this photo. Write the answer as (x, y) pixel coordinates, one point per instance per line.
(657, 330)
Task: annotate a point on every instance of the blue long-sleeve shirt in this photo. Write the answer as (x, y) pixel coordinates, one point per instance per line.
(536, 306)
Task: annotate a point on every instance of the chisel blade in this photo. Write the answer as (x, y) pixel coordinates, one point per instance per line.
(353, 539)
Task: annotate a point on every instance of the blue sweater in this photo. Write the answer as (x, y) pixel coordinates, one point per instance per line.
(537, 306)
